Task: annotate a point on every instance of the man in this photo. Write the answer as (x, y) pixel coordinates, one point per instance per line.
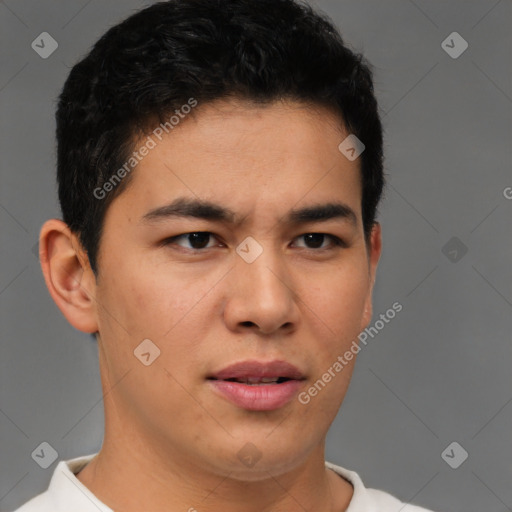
(219, 169)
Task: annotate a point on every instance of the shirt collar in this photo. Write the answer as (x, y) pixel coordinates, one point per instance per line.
(360, 499)
(65, 488)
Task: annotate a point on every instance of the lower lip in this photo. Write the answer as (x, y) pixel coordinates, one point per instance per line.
(260, 397)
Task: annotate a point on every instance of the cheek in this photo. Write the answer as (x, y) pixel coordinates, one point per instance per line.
(338, 298)
(146, 302)
(175, 313)
(339, 304)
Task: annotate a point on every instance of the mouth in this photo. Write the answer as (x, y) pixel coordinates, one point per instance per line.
(254, 372)
(256, 381)
(257, 386)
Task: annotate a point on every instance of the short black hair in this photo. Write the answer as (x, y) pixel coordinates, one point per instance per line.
(156, 60)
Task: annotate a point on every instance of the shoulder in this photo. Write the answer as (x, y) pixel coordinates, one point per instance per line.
(371, 500)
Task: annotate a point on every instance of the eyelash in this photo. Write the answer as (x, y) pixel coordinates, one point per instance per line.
(335, 241)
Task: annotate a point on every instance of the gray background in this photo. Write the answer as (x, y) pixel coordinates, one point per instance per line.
(438, 372)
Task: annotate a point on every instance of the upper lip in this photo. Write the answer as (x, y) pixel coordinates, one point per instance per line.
(257, 369)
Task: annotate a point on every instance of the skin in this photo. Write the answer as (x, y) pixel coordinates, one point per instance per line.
(169, 439)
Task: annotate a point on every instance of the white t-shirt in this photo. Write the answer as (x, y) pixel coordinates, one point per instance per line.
(66, 493)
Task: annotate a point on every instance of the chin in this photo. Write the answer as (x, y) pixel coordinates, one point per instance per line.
(263, 459)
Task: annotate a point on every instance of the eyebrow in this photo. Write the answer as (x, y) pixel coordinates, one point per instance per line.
(186, 207)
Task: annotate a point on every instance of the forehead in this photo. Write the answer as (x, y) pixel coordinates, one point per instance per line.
(245, 154)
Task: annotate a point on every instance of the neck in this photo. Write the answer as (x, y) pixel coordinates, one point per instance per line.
(176, 483)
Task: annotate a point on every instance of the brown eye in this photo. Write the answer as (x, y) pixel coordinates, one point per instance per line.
(316, 240)
(196, 240)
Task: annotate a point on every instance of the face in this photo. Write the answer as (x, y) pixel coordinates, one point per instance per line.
(214, 254)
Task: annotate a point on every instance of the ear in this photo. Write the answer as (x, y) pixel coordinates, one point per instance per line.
(374, 252)
(68, 275)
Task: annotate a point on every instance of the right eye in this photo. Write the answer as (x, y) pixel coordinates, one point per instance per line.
(198, 240)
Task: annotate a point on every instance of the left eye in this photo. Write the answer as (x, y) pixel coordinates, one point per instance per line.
(316, 240)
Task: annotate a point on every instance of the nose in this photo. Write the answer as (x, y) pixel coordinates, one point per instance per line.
(260, 295)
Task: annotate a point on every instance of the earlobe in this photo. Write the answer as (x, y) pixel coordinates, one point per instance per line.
(68, 275)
